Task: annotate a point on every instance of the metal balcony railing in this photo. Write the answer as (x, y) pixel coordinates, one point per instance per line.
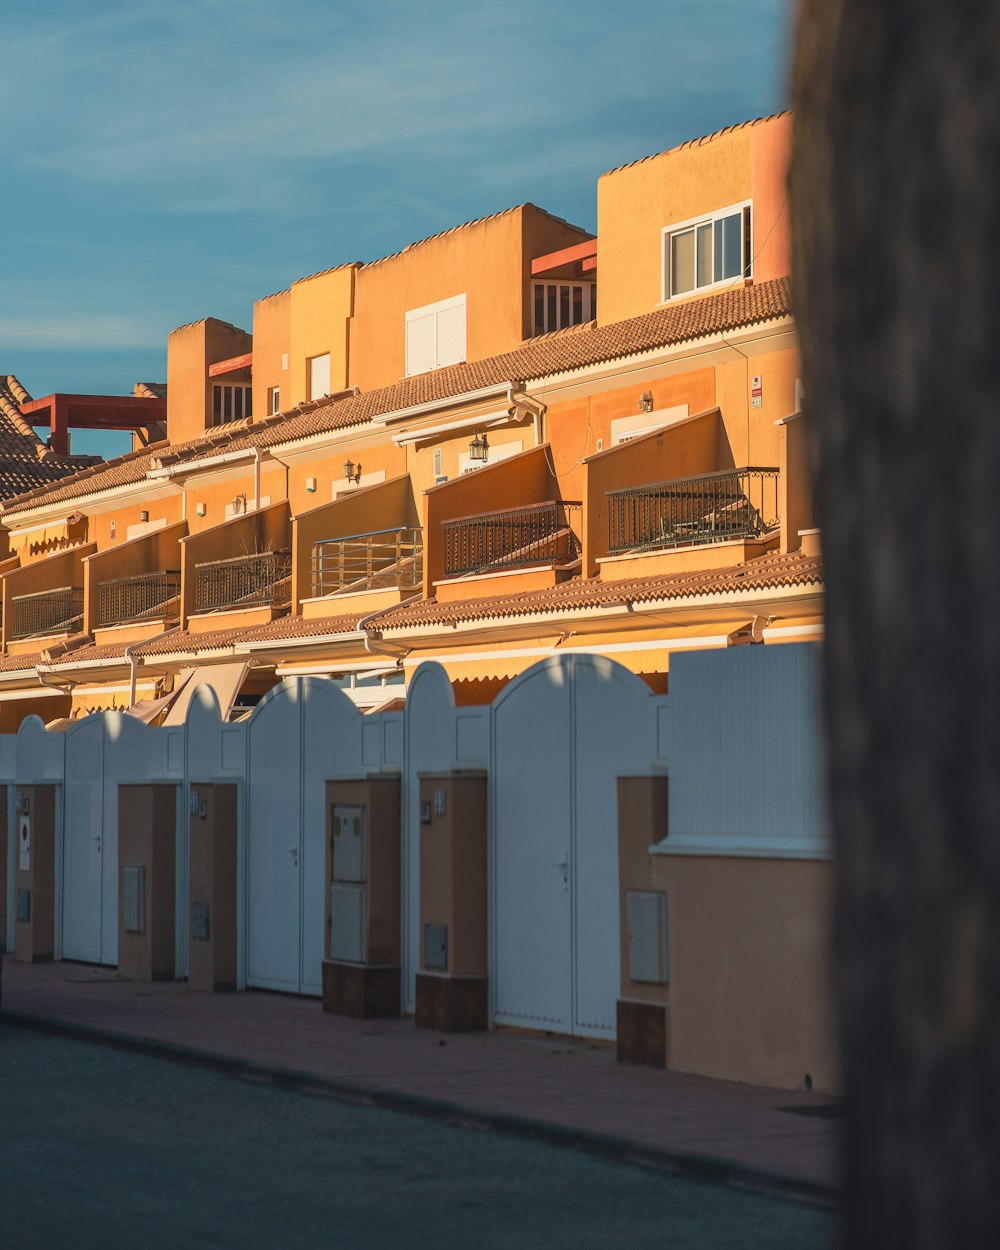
(541, 533)
(134, 598)
(381, 559)
(242, 581)
(736, 503)
(58, 611)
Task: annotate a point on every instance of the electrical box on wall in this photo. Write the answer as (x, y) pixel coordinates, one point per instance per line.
(647, 936)
(134, 888)
(349, 850)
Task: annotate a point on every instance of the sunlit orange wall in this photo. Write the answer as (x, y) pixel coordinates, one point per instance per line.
(636, 202)
(489, 262)
(272, 342)
(321, 308)
(190, 350)
(574, 426)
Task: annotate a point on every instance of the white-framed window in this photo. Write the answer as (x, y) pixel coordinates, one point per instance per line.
(273, 399)
(556, 305)
(707, 251)
(231, 401)
(435, 335)
(319, 376)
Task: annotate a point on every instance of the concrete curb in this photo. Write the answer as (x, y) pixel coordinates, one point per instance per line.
(681, 1163)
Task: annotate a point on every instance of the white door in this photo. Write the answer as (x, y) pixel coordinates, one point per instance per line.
(532, 972)
(563, 733)
(83, 845)
(298, 734)
(274, 810)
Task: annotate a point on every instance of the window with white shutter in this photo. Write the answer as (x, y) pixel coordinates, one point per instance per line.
(319, 376)
(435, 335)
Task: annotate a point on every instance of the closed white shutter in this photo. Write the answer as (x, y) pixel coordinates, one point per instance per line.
(435, 335)
(421, 343)
(451, 335)
(319, 376)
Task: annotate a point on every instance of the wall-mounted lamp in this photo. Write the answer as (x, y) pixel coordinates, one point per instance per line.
(144, 516)
(646, 401)
(479, 448)
(239, 504)
(351, 473)
(311, 484)
(201, 509)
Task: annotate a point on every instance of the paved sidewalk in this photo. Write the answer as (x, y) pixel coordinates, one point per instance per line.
(550, 1087)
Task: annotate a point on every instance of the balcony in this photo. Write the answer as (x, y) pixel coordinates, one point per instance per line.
(380, 560)
(513, 538)
(242, 581)
(142, 597)
(717, 507)
(58, 611)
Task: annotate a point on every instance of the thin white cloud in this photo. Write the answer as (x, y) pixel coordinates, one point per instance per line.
(71, 332)
(229, 105)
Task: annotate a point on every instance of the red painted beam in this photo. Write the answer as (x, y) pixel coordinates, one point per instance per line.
(565, 256)
(92, 412)
(588, 265)
(230, 365)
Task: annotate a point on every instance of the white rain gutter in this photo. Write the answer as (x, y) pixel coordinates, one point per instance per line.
(445, 401)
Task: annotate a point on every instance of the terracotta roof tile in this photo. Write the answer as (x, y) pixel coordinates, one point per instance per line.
(25, 461)
(302, 627)
(87, 653)
(183, 641)
(731, 309)
(14, 663)
(768, 572)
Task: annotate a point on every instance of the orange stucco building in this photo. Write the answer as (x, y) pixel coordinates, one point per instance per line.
(509, 441)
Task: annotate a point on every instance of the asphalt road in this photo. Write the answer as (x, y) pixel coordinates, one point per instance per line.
(102, 1148)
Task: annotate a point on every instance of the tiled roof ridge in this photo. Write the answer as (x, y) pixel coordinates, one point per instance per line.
(218, 321)
(12, 396)
(476, 221)
(81, 475)
(150, 390)
(321, 273)
(776, 569)
(698, 142)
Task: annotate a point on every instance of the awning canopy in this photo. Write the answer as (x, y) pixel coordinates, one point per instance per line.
(224, 679)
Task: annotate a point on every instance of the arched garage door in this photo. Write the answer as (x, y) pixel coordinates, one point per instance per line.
(563, 733)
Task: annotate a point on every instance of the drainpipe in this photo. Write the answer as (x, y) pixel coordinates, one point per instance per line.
(535, 407)
(64, 687)
(256, 479)
(131, 671)
(400, 653)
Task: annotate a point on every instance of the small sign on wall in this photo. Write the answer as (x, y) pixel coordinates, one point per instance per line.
(24, 843)
(756, 391)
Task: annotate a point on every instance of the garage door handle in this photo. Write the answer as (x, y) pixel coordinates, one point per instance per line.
(292, 850)
(561, 863)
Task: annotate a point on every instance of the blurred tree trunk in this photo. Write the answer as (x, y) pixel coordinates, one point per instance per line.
(895, 193)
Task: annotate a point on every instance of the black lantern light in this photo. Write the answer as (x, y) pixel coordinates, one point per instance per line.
(479, 448)
(351, 473)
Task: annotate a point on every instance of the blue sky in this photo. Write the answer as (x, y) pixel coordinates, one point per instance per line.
(166, 160)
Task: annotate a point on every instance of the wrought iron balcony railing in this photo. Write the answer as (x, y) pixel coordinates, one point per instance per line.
(242, 581)
(58, 611)
(512, 538)
(736, 503)
(135, 598)
(381, 559)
